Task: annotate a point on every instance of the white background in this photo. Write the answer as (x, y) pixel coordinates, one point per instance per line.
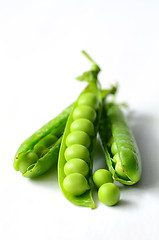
(40, 44)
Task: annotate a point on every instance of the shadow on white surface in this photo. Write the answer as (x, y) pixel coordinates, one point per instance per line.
(49, 179)
(124, 203)
(146, 132)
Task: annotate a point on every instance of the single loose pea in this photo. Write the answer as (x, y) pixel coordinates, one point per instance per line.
(102, 176)
(116, 158)
(78, 137)
(75, 184)
(48, 140)
(114, 148)
(77, 151)
(76, 165)
(40, 150)
(89, 99)
(109, 194)
(120, 171)
(84, 125)
(84, 111)
(27, 160)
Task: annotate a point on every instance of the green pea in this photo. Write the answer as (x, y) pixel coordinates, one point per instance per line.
(84, 125)
(75, 184)
(116, 158)
(40, 150)
(102, 176)
(84, 111)
(89, 99)
(77, 151)
(48, 140)
(109, 194)
(120, 171)
(114, 149)
(76, 165)
(27, 160)
(78, 137)
(111, 140)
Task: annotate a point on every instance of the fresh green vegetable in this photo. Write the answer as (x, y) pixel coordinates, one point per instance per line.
(76, 165)
(109, 194)
(82, 125)
(39, 153)
(77, 151)
(102, 176)
(85, 112)
(78, 137)
(75, 184)
(120, 148)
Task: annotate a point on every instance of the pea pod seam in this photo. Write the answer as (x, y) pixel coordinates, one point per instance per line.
(125, 162)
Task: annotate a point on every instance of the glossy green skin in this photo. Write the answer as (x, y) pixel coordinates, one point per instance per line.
(113, 124)
(83, 125)
(84, 111)
(109, 194)
(77, 151)
(78, 137)
(114, 149)
(120, 171)
(102, 176)
(76, 165)
(89, 99)
(49, 159)
(85, 199)
(76, 184)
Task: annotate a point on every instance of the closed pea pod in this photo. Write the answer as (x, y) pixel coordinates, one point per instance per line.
(123, 157)
(76, 152)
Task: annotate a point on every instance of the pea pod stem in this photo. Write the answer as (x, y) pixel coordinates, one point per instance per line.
(94, 66)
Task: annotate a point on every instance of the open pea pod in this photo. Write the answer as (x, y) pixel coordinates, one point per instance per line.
(38, 153)
(77, 147)
(120, 148)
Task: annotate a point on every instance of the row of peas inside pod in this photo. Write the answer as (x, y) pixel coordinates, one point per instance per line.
(75, 161)
(117, 162)
(29, 158)
(78, 142)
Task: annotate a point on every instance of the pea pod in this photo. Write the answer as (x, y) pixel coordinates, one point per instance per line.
(120, 148)
(76, 151)
(39, 153)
